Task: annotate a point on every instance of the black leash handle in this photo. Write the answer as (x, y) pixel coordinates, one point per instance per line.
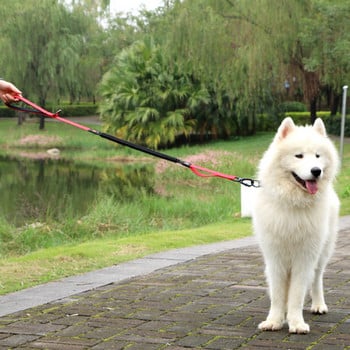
(140, 148)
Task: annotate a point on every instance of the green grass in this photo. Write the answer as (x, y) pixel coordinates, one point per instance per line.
(53, 263)
(185, 210)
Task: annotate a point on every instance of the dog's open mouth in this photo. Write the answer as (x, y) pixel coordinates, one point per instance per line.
(309, 185)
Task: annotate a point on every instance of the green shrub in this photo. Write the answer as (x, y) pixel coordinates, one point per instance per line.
(333, 125)
(80, 110)
(6, 112)
(75, 110)
(268, 122)
(293, 106)
(303, 118)
(271, 122)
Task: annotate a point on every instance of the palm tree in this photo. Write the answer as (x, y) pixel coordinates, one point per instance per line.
(149, 100)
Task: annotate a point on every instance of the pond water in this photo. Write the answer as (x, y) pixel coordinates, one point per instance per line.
(33, 190)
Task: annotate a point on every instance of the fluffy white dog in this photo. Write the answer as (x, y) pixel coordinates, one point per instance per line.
(295, 219)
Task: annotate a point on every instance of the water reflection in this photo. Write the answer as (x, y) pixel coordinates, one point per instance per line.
(33, 190)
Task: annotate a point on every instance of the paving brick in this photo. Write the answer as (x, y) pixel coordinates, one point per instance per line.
(52, 346)
(221, 343)
(16, 340)
(58, 340)
(30, 327)
(194, 341)
(213, 302)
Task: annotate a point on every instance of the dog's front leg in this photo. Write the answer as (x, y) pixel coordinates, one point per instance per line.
(318, 303)
(296, 296)
(278, 288)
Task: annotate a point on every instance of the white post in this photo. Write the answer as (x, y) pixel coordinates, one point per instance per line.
(342, 128)
(247, 200)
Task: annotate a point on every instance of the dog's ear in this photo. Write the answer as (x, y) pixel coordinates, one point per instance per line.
(285, 128)
(319, 127)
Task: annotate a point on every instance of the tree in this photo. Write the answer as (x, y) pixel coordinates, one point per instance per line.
(309, 38)
(43, 43)
(205, 44)
(327, 38)
(248, 49)
(148, 100)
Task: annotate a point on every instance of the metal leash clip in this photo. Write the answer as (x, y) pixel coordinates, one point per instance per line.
(248, 182)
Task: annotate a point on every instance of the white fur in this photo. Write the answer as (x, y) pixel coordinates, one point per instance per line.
(296, 230)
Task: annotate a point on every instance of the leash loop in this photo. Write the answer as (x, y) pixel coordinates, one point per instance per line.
(204, 172)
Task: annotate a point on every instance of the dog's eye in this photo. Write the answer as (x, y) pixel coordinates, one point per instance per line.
(299, 155)
(317, 155)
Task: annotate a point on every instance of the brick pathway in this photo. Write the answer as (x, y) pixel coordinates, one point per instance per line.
(213, 302)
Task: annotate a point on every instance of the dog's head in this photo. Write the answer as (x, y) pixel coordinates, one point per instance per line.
(303, 157)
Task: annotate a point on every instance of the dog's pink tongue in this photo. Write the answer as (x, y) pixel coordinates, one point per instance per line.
(311, 186)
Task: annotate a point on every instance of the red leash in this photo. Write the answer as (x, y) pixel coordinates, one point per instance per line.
(197, 170)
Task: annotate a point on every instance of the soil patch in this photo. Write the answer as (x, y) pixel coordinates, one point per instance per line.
(208, 157)
(39, 141)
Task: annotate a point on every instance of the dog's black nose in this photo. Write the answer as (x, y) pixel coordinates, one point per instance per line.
(315, 171)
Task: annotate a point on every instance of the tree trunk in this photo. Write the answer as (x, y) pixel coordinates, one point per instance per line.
(42, 123)
(313, 110)
(42, 118)
(335, 102)
(312, 90)
(20, 118)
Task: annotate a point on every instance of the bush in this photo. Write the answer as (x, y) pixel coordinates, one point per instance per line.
(6, 112)
(80, 110)
(293, 106)
(302, 118)
(333, 125)
(268, 122)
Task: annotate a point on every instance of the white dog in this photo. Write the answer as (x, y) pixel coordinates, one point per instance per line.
(295, 219)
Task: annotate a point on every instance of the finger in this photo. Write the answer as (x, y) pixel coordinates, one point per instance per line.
(4, 97)
(16, 91)
(7, 98)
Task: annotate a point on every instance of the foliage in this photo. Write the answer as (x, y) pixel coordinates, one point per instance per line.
(292, 106)
(147, 100)
(205, 43)
(55, 49)
(67, 110)
(232, 57)
(332, 122)
(76, 110)
(325, 37)
(252, 48)
(5, 112)
(46, 63)
(333, 125)
(300, 41)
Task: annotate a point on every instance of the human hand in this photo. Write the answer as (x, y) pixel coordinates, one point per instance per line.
(8, 92)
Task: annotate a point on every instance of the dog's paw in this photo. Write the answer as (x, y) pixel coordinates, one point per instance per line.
(319, 309)
(299, 327)
(270, 325)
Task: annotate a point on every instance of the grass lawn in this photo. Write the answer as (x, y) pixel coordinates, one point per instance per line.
(53, 263)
